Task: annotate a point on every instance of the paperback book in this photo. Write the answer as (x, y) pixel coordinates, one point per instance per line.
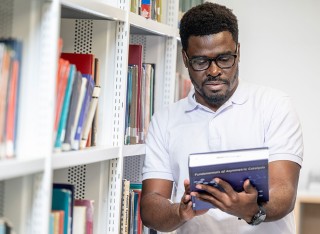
(234, 167)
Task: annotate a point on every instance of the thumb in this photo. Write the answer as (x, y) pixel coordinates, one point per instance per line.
(248, 187)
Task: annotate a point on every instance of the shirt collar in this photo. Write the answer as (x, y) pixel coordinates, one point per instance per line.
(239, 97)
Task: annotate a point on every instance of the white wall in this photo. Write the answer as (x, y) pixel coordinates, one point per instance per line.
(280, 47)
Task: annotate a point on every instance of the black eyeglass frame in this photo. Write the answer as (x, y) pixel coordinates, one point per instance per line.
(235, 55)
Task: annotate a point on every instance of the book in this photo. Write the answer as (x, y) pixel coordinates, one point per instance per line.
(137, 223)
(234, 167)
(84, 110)
(58, 221)
(135, 58)
(89, 213)
(4, 81)
(79, 219)
(125, 207)
(94, 130)
(89, 118)
(61, 200)
(15, 46)
(61, 131)
(72, 119)
(83, 62)
(74, 126)
(146, 8)
(61, 85)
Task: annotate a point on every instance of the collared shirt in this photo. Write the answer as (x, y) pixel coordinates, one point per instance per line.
(253, 117)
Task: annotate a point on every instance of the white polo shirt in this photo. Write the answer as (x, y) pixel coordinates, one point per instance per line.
(254, 116)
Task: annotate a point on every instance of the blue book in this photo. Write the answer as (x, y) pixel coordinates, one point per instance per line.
(51, 224)
(234, 167)
(128, 106)
(65, 109)
(84, 109)
(62, 200)
(72, 120)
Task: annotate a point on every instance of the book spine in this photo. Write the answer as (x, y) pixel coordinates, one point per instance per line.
(65, 109)
(89, 118)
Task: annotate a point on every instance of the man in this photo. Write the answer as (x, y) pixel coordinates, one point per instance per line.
(221, 113)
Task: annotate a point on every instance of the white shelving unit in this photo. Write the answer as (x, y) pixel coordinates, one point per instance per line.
(104, 28)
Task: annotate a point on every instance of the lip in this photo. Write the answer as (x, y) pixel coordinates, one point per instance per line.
(215, 85)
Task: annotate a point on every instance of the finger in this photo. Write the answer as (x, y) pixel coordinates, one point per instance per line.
(249, 188)
(223, 186)
(186, 183)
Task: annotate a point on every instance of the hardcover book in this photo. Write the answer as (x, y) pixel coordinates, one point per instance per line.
(83, 62)
(234, 167)
(89, 213)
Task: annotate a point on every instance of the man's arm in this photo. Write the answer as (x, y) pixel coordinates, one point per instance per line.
(283, 181)
(158, 212)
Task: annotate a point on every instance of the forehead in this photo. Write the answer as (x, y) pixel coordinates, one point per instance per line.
(211, 44)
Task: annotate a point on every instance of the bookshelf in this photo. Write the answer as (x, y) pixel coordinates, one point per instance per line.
(307, 212)
(104, 28)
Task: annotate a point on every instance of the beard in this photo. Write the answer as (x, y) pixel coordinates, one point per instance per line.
(213, 97)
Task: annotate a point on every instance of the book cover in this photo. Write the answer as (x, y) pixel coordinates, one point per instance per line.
(234, 166)
(89, 204)
(83, 62)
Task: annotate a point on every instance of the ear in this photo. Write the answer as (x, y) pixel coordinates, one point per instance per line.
(238, 52)
(184, 58)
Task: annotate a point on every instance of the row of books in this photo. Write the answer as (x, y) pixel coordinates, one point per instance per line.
(77, 96)
(150, 9)
(6, 226)
(140, 96)
(185, 5)
(10, 70)
(70, 215)
(130, 222)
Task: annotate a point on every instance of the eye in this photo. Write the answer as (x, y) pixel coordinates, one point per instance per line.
(224, 57)
(199, 61)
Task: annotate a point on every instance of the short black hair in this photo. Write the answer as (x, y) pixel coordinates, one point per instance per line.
(207, 19)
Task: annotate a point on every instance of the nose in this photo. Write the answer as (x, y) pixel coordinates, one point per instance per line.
(213, 69)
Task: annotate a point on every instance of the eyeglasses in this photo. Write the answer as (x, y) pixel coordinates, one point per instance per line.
(223, 61)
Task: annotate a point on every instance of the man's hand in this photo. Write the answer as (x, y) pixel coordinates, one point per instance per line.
(243, 204)
(185, 209)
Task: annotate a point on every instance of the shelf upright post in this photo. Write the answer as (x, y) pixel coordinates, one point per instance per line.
(170, 55)
(116, 165)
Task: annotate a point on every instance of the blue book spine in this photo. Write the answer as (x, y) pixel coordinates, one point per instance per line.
(65, 109)
(61, 200)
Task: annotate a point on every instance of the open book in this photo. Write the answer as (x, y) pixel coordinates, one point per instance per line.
(234, 167)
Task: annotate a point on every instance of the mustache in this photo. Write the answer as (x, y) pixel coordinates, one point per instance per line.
(215, 78)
